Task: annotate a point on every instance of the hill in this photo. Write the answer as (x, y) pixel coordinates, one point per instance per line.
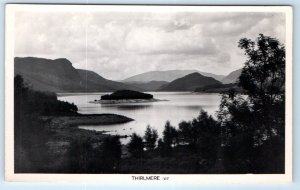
(189, 83)
(60, 76)
(232, 77)
(167, 76)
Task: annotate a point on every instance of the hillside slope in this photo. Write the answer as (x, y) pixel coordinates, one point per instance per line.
(232, 77)
(60, 76)
(189, 83)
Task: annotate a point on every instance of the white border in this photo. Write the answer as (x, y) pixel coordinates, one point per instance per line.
(11, 9)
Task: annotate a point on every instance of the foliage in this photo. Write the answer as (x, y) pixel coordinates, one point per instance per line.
(263, 77)
(251, 124)
(150, 138)
(79, 154)
(136, 146)
(31, 150)
(161, 147)
(126, 94)
(185, 132)
(112, 151)
(84, 158)
(170, 135)
(202, 134)
(30, 102)
(112, 147)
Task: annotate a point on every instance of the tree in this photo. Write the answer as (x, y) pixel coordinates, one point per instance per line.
(161, 147)
(263, 77)
(205, 136)
(185, 132)
(150, 138)
(136, 146)
(170, 135)
(253, 125)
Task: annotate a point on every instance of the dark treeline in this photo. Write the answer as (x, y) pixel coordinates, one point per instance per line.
(126, 94)
(31, 102)
(83, 157)
(247, 136)
(30, 134)
(220, 88)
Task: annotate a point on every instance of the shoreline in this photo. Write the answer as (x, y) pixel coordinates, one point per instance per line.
(65, 129)
(87, 119)
(125, 101)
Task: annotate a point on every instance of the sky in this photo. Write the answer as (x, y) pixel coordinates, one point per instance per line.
(118, 45)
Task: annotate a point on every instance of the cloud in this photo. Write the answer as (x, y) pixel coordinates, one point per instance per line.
(121, 44)
(150, 40)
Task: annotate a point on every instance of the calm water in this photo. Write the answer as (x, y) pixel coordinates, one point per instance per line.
(180, 106)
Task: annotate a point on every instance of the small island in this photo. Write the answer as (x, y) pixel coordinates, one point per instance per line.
(126, 96)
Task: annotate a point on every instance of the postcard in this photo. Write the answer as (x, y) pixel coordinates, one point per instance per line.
(148, 94)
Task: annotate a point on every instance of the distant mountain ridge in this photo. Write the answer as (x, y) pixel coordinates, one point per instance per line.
(167, 76)
(189, 83)
(60, 76)
(148, 86)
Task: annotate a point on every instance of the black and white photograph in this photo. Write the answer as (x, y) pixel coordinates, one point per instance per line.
(148, 91)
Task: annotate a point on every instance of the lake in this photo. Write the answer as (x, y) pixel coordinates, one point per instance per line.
(180, 106)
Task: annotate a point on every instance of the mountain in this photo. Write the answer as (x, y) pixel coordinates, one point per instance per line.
(167, 76)
(48, 75)
(148, 86)
(232, 77)
(189, 83)
(92, 81)
(60, 76)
